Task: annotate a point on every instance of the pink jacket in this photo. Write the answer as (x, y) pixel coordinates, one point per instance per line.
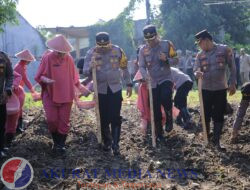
(21, 68)
(62, 70)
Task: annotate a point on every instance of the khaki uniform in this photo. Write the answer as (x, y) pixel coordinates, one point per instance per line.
(111, 68)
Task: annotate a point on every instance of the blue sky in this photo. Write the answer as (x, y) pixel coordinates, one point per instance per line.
(52, 13)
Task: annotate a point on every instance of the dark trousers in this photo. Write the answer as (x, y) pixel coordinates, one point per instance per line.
(162, 95)
(180, 99)
(110, 109)
(190, 73)
(2, 124)
(214, 105)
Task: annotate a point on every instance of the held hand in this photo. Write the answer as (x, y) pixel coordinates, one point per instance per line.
(199, 74)
(232, 89)
(163, 57)
(47, 80)
(129, 92)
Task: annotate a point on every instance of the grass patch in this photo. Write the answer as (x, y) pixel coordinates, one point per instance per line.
(193, 99)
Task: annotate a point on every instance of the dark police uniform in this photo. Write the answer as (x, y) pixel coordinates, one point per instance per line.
(244, 104)
(111, 66)
(160, 74)
(6, 81)
(214, 64)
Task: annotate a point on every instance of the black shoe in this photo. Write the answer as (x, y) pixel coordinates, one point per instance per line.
(116, 130)
(160, 140)
(220, 148)
(179, 121)
(60, 143)
(169, 121)
(2, 154)
(217, 134)
(116, 150)
(106, 147)
(20, 128)
(8, 139)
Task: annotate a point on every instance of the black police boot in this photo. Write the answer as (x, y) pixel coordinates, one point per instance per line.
(20, 128)
(186, 118)
(61, 143)
(160, 140)
(179, 121)
(2, 154)
(217, 134)
(116, 138)
(169, 121)
(8, 140)
(55, 141)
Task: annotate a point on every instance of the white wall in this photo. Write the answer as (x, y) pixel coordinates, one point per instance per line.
(22, 36)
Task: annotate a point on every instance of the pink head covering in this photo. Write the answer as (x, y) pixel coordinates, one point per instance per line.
(138, 76)
(60, 44)
(25, 55)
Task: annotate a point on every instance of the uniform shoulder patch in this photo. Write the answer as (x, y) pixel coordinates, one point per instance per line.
(172, 52)
(123, 60)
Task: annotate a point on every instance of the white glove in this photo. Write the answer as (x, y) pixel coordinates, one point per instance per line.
(47, 80)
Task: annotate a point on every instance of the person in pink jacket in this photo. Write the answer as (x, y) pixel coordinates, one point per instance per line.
(12, 120)
(25, 57)
(143, 104)
(58, 78)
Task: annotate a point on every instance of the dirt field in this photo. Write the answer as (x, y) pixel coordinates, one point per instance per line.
(184, 163)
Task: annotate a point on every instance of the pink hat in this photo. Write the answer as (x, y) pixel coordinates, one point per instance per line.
(25, 55)
(138, 76)
(60, 44)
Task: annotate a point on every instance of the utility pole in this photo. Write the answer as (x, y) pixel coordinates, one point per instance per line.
(148, 11)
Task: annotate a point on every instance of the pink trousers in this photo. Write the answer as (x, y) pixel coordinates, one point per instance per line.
(58, 115)
(143, 104)
(11, 122)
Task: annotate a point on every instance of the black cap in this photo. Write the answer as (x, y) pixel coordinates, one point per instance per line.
(149, 32)
(204, 34)
(102, 38)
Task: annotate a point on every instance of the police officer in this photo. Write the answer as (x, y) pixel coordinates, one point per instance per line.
(110, 60)
(6, 81)
(155, 58)
(80, 64)
(241, 112)
(211, 64)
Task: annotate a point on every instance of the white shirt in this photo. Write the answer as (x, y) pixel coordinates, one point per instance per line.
(178, 77)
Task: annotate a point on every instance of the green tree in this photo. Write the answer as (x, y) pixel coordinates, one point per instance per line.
(182, 19)
(235, 17)
(7, 12)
